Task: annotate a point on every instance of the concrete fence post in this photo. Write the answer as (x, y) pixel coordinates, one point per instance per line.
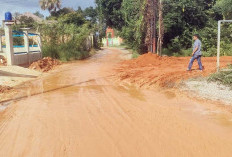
(26, 41)
(26, 44)
(39, 40)
(9, 44)
(218, 46)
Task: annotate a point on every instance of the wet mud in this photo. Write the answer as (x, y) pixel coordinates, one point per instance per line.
(79, 110)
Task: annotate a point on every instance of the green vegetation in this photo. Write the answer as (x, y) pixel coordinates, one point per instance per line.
(66, 33)
(223, 77)
(181, 20)
(130, 19)
(68, 37)
(50, 5)
(37, 13)
(127, 17)
(66, 41)
(226, 8)
(135, 54)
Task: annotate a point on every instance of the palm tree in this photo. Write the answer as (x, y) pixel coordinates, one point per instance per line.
(51, 5)
(151, 20)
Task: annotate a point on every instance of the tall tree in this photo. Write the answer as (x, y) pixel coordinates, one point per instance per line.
(39, 14)
(51, 5)
(134, 29)
(161, 29)
(90, 13)
(151, 19)
(184, 18)
(62, 11)
(110, 12)
(226, 7)
(127, 16)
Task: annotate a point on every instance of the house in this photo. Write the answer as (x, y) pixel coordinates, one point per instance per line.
(34, 17)
(111, 38)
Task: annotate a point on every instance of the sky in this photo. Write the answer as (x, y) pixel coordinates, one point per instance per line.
(22, 6)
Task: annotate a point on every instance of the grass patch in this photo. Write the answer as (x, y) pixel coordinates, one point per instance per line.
(135, 54)
(223, 77)
(65, 52)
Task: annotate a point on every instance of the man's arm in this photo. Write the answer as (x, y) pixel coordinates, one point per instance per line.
(197, 44)
(195, 50)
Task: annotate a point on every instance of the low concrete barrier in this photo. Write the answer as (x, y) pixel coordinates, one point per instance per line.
(21, 57)
(20, 54)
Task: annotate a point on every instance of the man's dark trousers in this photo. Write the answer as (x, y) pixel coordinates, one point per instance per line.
(198, 57)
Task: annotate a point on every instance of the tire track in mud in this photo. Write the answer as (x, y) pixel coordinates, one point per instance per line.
(117, 116)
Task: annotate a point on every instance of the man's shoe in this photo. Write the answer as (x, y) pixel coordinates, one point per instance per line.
(188, 69)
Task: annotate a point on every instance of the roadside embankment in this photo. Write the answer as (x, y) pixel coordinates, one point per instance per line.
(44, 65)
(151, 70)
(11, 76)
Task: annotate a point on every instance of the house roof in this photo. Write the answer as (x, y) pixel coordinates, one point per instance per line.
(36, 18)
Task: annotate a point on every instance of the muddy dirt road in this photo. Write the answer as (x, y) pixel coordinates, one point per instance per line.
(76, 111)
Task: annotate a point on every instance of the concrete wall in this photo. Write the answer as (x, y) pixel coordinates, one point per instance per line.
(17, 55)
(112, 42)
(23, 58)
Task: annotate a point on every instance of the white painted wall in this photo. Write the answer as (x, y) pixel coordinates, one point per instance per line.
(24, 58)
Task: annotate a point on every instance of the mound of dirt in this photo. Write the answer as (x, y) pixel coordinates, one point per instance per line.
(3, 61)
(147, 59)
(4, 89)
(44, 65)
(152, 70)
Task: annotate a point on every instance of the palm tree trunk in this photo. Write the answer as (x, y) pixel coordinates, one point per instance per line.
(161, 29)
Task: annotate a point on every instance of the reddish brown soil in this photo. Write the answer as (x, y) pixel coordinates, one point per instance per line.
(4, 89)
(150, 69)
(77, 111)
(44, 65)
(3, 61)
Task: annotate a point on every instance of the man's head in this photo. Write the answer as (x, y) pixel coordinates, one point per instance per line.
(195, 37)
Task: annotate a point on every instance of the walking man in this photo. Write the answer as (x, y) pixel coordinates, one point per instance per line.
(196, 55)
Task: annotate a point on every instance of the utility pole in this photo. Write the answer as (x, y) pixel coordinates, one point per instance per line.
(219, 41)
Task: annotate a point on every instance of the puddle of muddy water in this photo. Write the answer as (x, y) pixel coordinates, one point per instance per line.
(223, 119)
(95, 88)
(132, 91)
(216, 115)
(170, 95)
(4, 106)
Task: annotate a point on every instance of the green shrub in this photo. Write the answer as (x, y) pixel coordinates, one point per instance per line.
(210, 53)
(18, 41)
(66, 41)
(183, 53)
(167, 52)
(223, 77)
(65, 51)
(226, 49)
(135, 54)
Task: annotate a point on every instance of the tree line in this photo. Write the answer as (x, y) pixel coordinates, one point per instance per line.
(175, 23)
(149, 25)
